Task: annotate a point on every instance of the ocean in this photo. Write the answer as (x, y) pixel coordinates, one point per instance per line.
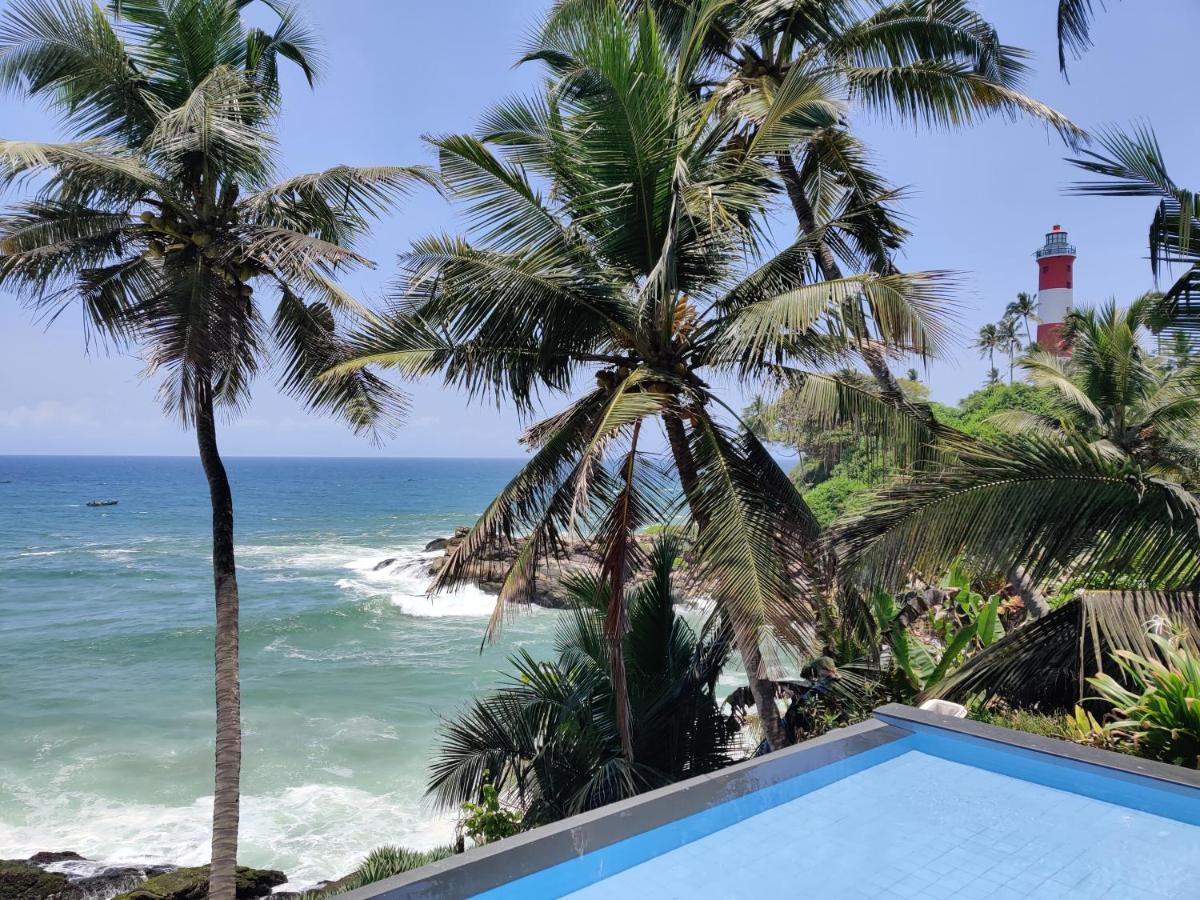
(106, 626)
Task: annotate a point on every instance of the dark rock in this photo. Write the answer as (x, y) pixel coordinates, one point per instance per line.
(20, 880)
(52, 856)
(549, 588)
(437, 544)
(383, 565)
(192, 884)
(113, 880)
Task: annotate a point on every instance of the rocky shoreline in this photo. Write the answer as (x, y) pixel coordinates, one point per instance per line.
(578, 557)
(66, 875)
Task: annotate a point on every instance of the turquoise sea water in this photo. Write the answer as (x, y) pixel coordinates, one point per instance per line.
(106, 654)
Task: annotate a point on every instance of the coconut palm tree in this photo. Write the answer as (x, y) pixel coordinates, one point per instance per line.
(1009, 342)
(1024, 308)
(988, 342)
(929, 63)
(1106, 487)
(549, 739)
(1116, 395)
(163, 223)
(615, 238)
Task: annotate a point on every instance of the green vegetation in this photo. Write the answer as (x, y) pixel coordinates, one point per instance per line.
(615, 252)
(548, 741)
(1159, 714)
(22, 881)
(650, 291)
(381, 863)
(487, 820)
(975, 415)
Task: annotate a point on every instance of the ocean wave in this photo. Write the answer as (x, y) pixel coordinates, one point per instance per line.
(404, 584)
(312, 832)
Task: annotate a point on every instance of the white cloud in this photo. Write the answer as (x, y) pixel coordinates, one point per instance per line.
(48, 413)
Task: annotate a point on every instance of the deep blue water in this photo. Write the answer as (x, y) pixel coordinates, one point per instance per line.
(106, 654)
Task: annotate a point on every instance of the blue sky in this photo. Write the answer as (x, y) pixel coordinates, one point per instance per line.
(980, 200)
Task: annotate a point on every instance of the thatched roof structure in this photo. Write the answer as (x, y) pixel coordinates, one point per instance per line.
(1045, 664)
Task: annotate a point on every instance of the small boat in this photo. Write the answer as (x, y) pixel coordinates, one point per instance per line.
(102, 503)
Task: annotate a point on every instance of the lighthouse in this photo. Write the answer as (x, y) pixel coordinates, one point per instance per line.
(1056, 260)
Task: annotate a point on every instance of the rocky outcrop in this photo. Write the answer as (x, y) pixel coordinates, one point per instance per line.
(21, 880)
(192, 884)
(391, 560)
(577, 557)
(65, 875)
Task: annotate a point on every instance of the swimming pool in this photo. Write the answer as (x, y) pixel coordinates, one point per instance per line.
(911, 804)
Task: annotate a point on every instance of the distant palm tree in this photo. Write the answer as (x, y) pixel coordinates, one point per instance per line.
(1008, 341)
(1024, 308)
(634, 261)
(549, 739)
(163, 223)
(988, 343)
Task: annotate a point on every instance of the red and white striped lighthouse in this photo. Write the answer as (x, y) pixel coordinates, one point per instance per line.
(1056, 296)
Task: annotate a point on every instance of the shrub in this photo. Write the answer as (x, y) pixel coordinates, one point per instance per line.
(381, 863)
(1160, 713)
(489, 821)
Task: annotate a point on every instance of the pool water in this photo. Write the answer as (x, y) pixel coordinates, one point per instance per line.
(920, 825)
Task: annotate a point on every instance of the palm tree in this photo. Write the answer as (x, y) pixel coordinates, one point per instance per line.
(627, 258)
(549, 739)
(162, 221)
(931, 63)
(1074, 28)
(1024, 308)
(1009, 342)
(1131, 164)
(1119, 397)
(988, 343)
(1106, 488)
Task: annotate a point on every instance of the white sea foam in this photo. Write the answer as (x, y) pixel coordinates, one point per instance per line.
(405, 585)
(312, 832)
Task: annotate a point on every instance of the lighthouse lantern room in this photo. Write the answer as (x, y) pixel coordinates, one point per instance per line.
(1056, 260)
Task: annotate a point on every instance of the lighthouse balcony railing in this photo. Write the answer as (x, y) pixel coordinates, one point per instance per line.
(1056, 250)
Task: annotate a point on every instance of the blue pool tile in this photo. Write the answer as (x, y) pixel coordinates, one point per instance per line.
(922, 826)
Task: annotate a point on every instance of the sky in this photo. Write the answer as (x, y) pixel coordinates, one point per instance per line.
(979, 201)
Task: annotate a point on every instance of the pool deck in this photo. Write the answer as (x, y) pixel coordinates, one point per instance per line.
(672, 845)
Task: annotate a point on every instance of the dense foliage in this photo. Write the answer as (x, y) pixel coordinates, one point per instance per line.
(1160, 711)
(549, 739)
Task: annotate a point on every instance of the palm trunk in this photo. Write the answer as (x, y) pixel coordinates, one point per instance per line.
(762, 688)
(806, 218)
(1031, 598)
(226, 793)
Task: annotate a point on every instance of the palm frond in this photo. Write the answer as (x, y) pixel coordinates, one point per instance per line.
(1045, 665)
(306, 334)
(1053, 506)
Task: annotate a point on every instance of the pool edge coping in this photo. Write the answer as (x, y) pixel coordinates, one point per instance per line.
(494, 865)
(906, 717)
